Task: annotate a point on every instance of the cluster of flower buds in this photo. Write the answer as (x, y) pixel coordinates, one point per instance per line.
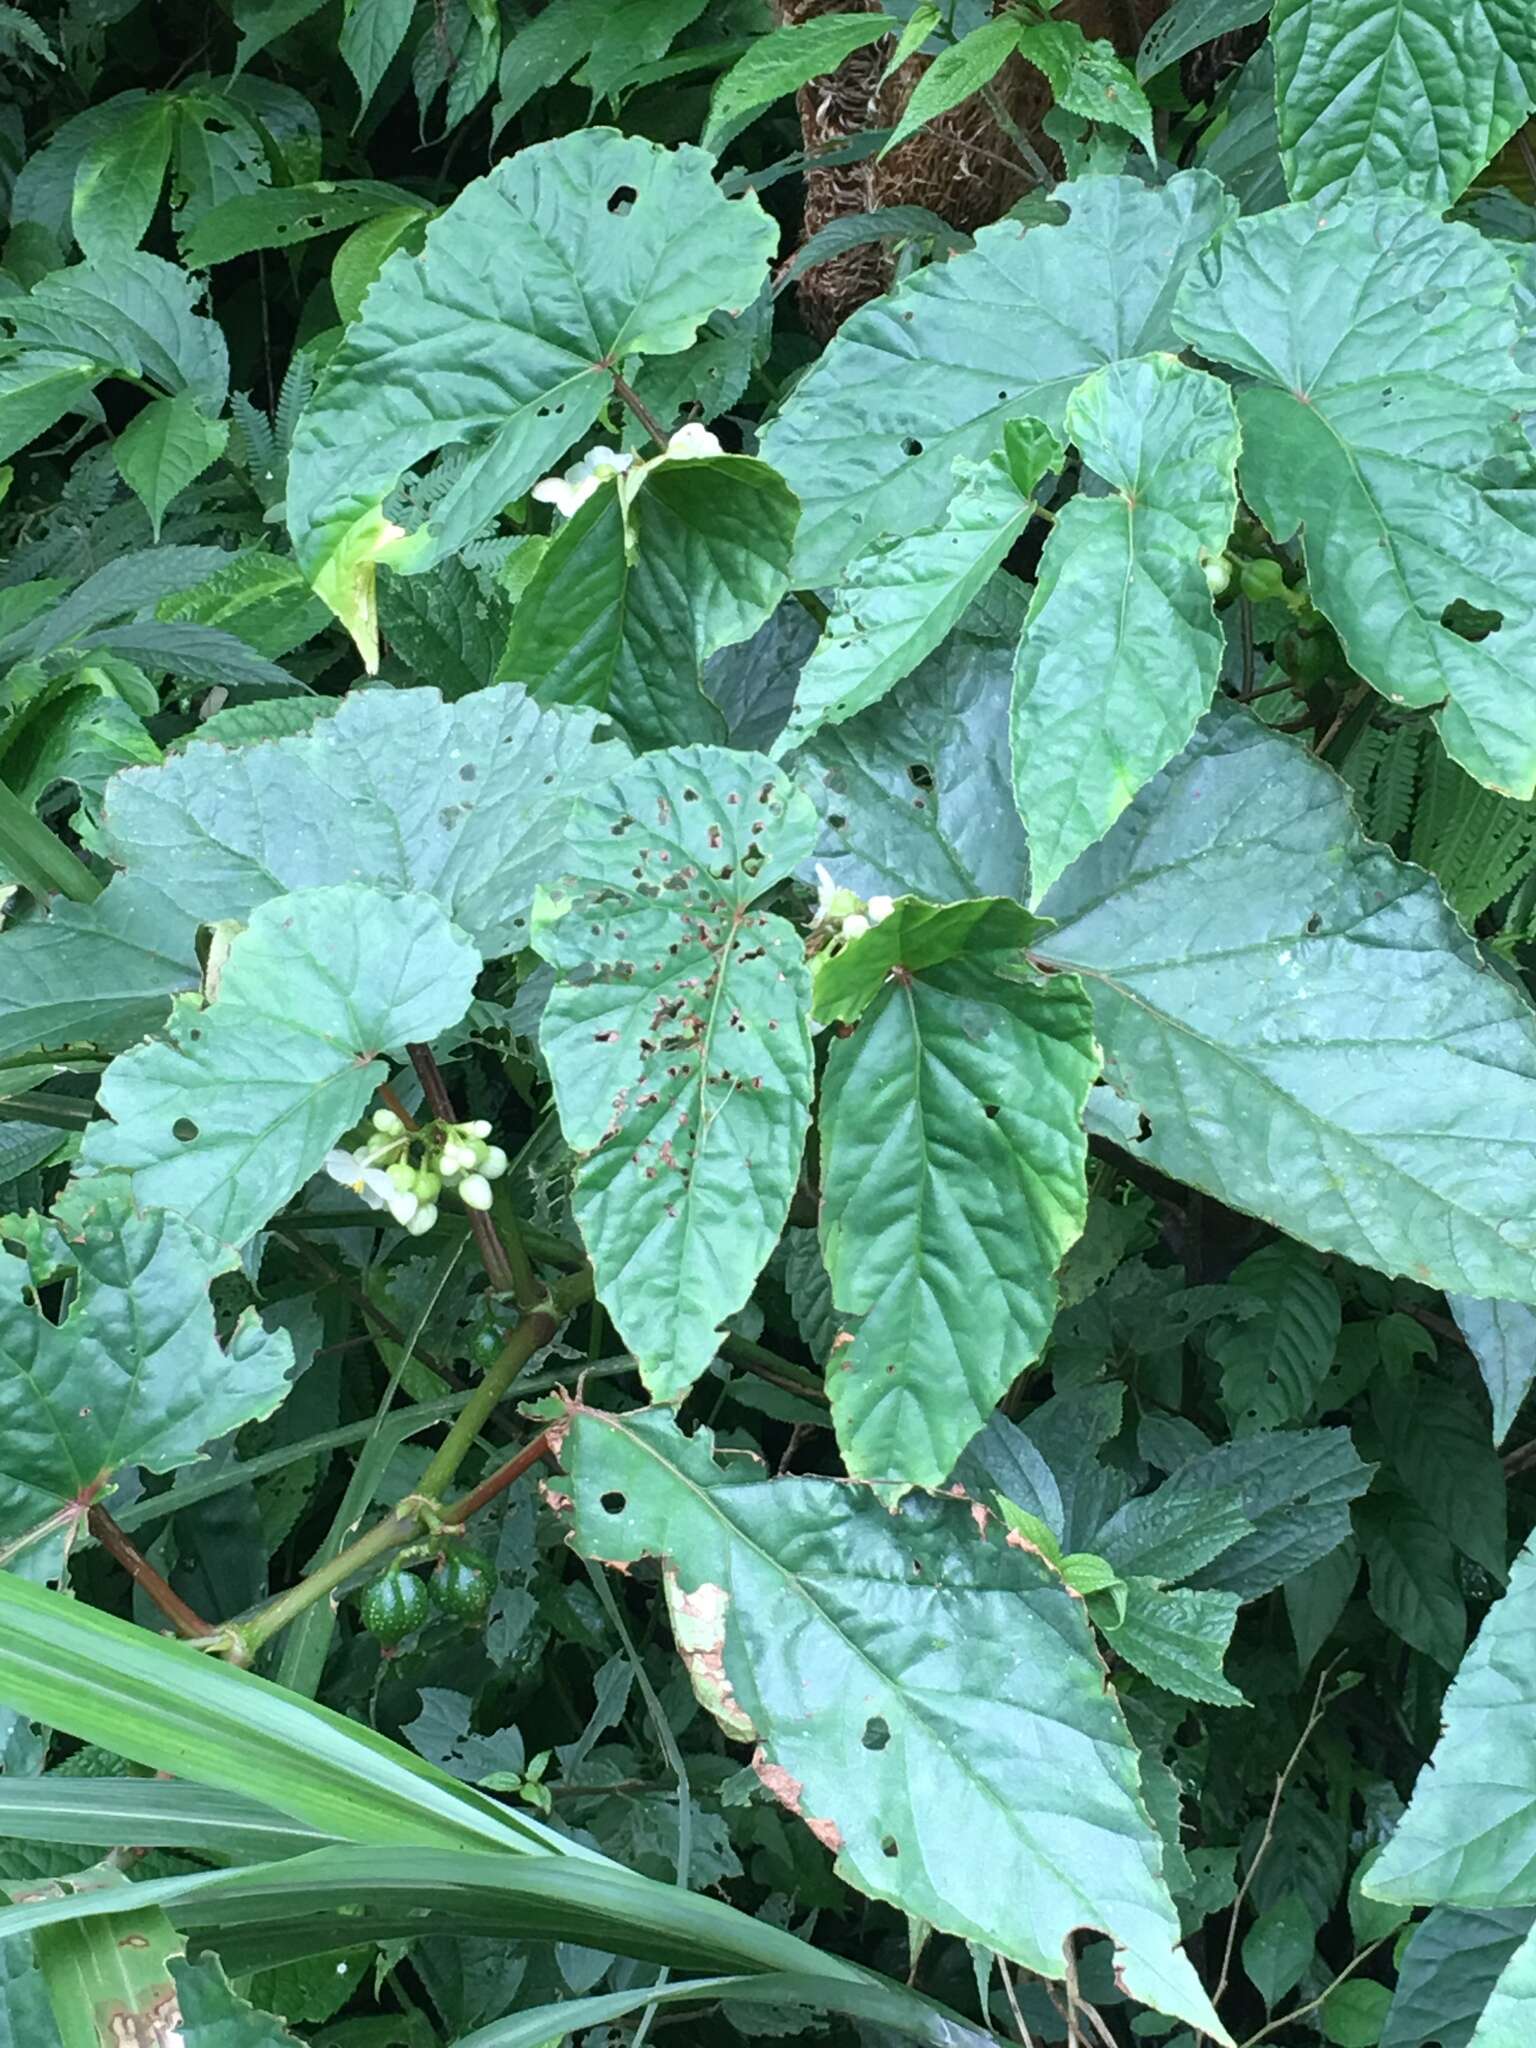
(568, 493)
(843, 914)
(405, 1171)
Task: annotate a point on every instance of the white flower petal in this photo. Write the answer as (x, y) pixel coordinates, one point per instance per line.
(693, 440)
(856, 926)
(880, 908)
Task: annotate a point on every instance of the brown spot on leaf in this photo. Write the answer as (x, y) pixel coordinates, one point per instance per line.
(789, 1791)
(698, 1627)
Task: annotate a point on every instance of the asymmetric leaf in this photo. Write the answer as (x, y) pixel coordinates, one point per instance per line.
(868, 438)
(1509, 2017)
(900, 597)
(913, 793)
(953, 1164)
(644, 583)
(538, 281)
(1242, 943)
(1121, 648)
(1469, 1835)
(99, 973)
(1451, 1963)
(133, 1375)
(1384, 345)
(465, 802)
(164, 448)
(678, 1042)
(1413, 98)
(924, 1695)
(1502, 1338)
(227, 1116)
(1177, 1638)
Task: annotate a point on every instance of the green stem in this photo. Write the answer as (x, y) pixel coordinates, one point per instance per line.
(403, 1525)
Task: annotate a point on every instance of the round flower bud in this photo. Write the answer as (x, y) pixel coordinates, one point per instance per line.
(480, 1128)
(423, 1220)
(402, 1206)
(429, 1185)
(386, 1121)
(475, 1191)
(856, 926)
(494, 1164)
(403, 1176)
(879, 908)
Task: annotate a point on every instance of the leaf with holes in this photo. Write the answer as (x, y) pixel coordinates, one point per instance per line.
(868, 438)
(678, 1041)
(464, 802)
(230, 1113)
(1243, 943)
(1121, 648)
(134, 1373)
(1411, 99)
(953, 1180)
(644, 583)
(900, 597)
(1367, 432)
(538, 283)
(924, 1694)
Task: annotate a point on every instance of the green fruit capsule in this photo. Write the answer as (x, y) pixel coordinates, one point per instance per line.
(393, 1606)
(1261, 580)
(462, 1586)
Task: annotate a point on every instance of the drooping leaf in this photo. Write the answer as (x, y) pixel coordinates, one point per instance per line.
(1502, 1338)
(371, 33)
(960, 69)
(510, 347)
(1412, 99)
(1121, 648)
(678, 1042)
(1412, 1582)
(930, 1806)
(465, 802)
(900, 598)
(1366, 432)
(869, 437)
(644, 583)
(230, 1113)
(133, 1375)
(120, 176)
(166, 447)
(280, 216)
(1234, 945)
(953, 1164)
(1469, 1835)
(914, 793)
(212, 2015)
(780, 63)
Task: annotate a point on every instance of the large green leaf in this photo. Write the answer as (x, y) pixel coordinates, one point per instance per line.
(913, 793)
(153, 1813)
(925, 1695)
(644, 583)
(538, 282)
(1446, 1973)
(900, 597)
(119, 178)
(869, 437)
(166, 447)
(953, 1163)
(1241, 941)
(1383, 344)
(1413, 98)
(1469, 1835)
(228, 1115)
(464, 802)
(128, 313)
(133, 1375)
(1121, 649)
(678, 1042)
(99, 973)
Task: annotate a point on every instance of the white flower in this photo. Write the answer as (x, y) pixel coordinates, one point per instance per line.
(475, 1191)
(423, 1220)
(856, 926)
(494, 1164)
(480, 1128)
(833, 905)
(693, 440)
(879, 908)
(375, 1187)
(569, 492)
(455, 1159)
(401, 1205)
